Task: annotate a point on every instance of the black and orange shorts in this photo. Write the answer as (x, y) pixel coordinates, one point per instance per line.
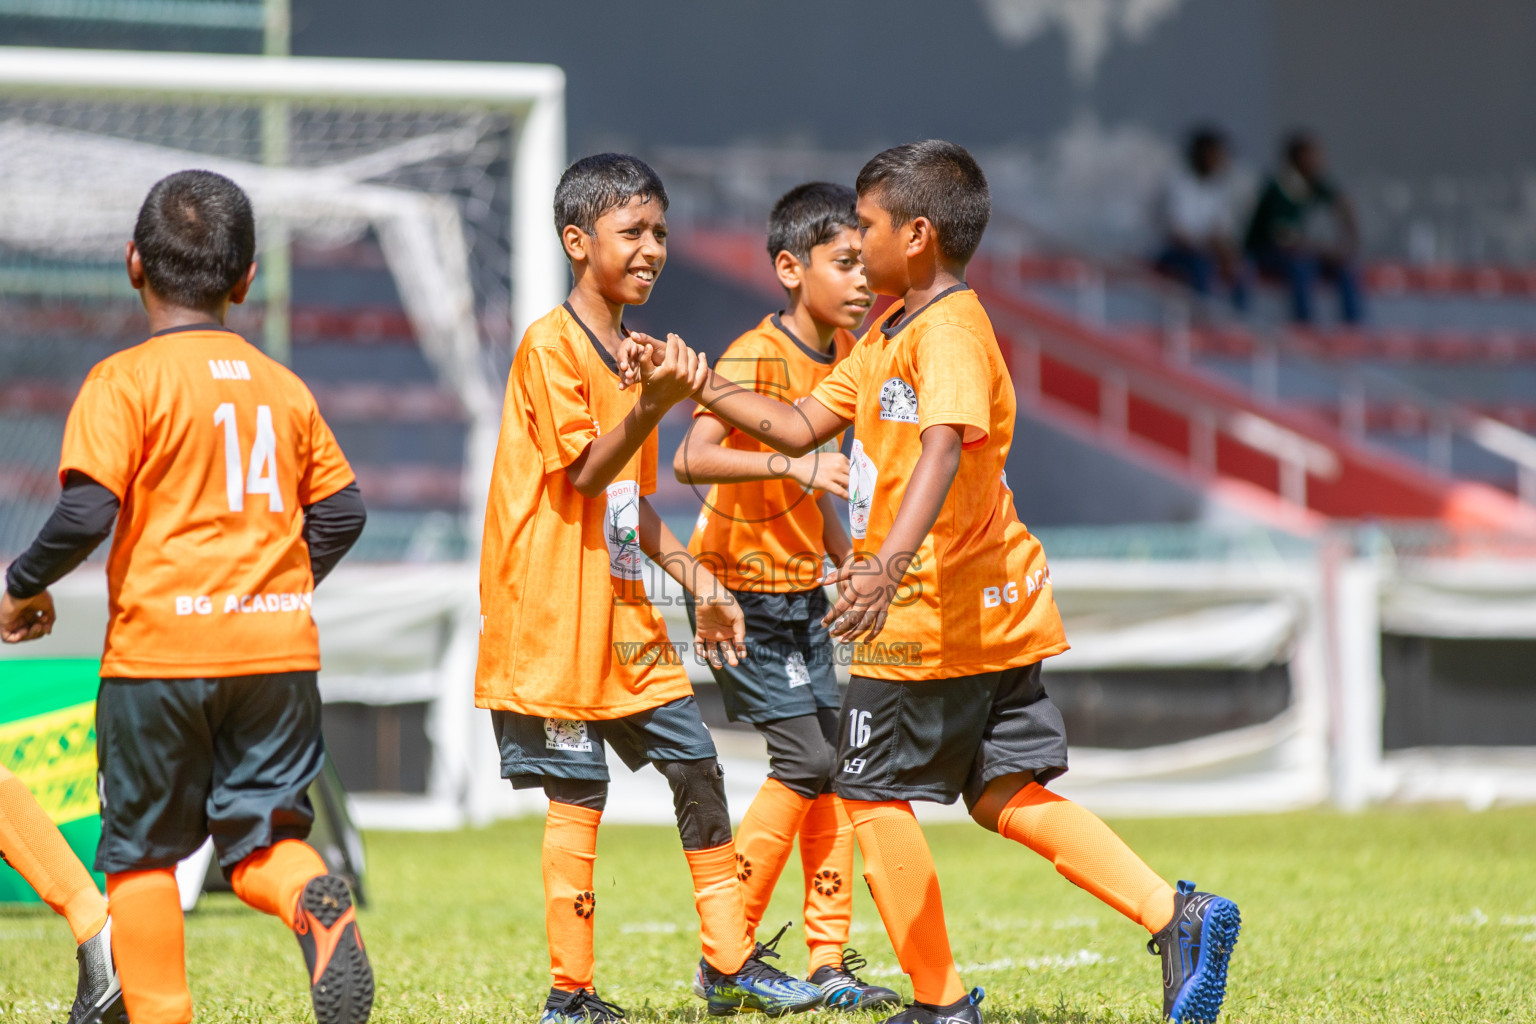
(533, 748)
(179, 760)
(946, 738)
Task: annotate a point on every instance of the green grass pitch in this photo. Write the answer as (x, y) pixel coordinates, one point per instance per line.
(1422, 915)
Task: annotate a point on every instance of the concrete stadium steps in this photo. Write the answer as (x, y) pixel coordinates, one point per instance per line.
(1126, 393)
(1129, 300)
(1212, 429)
(340, 402)
(403, 432)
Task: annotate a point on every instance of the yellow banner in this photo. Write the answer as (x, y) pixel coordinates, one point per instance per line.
(55, 755)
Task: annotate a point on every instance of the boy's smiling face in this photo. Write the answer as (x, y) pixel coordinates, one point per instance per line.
(832, 285)
(884, 247)
(625, 252)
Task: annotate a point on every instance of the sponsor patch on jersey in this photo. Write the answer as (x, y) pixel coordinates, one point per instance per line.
(862, 478)
(898, 401)
(621, 529)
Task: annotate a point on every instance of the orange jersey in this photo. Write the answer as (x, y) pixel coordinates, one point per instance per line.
(566, 630)
(978, 596)
(766, 535)
(213, 450)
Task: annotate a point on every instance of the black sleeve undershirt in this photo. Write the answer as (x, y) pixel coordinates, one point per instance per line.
(80, 521)
(331, 527)
(86, 510)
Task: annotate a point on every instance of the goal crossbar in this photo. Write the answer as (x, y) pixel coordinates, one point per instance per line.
(234, 76)
(535, 93)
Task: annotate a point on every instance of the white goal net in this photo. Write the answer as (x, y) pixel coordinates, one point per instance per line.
(403, 245)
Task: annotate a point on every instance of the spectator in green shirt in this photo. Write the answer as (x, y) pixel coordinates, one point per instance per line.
(1303, 229)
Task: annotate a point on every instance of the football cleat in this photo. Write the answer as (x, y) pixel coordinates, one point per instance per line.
(841, 989)
(340, 978)
(579, 1007)
(963, 1011)
(757, 987)
(99, 991)
(1196, 946)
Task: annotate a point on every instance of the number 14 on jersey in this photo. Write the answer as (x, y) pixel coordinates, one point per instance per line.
(262, 477)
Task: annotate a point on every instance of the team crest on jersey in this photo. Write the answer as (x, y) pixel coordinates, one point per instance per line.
(898, 401)
(794, 668)
(564, 734)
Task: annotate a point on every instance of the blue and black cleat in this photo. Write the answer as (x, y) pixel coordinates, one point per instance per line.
(757, 987)
(843, 990)
(966, 1010)
(1196, 946)
(579, 1007)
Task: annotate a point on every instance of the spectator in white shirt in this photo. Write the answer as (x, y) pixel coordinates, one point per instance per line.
(1199, 245)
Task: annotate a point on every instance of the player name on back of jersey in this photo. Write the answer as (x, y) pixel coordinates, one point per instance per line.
(229, 369)
(202, 604)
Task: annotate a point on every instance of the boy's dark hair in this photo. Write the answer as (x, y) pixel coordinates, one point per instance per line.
(1295, 143)
(196, 236)
(1203, 143)
(937, 180)
(808, 215)
(593, 185)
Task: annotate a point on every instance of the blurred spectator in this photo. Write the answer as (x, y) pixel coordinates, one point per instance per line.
(1304, 228)
(1195, 215)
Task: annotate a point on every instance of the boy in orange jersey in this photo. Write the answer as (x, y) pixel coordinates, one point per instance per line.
(232, 500)
(767, 527)
(573, 656)
(31, 843)
(948, 701)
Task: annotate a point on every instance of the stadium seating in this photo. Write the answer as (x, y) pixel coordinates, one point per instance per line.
(1288, 428)
(354, 347)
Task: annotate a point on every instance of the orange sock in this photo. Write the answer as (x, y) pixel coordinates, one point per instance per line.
(1087, 854)
(149, 947)
(570, 851)
(901, 877)
(764, 842)
(271, 879)
(722, 914)
(826, 855)
(33, 845)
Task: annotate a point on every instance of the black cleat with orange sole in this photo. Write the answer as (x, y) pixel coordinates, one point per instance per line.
(340, 979)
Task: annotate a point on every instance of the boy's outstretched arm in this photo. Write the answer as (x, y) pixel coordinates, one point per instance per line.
(81, 520)
(792, 429)
(675, 374)
(703, 458)
(721, 630)
(865, 590)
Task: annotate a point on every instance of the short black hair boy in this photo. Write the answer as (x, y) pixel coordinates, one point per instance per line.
(808, 215)
(595, 184)
(196, 235)
(935, 180)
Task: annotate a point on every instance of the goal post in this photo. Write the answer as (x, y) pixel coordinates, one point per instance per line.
(440, 173)
(533, 92)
